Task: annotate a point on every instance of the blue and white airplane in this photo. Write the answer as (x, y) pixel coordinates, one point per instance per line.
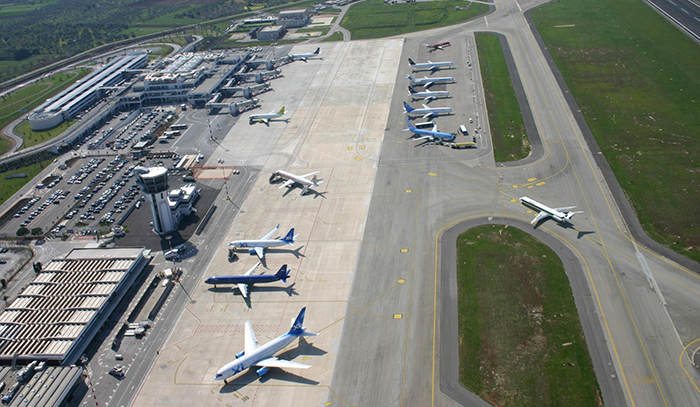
(426, 81)
(258, 246)
(263, 356)
(426, 111)
(431, 135)
(561, 215)
(248, 279)
(427, 95)
(430, 65)
(304, 57)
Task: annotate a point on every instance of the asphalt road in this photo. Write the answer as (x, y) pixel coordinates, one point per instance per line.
(685, 14)
(643, 303)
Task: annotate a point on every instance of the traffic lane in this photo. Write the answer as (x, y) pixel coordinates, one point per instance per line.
(681, 13)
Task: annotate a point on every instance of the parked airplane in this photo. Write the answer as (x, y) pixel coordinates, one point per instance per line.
(304, 57)
(258, 246)
(432, 66)
(263, 356)
(266, 117)
(246, 280)
(427, 95)
(426, 111)
(431, 135)
(561, 215)
(296, 179)
(439, 45)
(427, 81)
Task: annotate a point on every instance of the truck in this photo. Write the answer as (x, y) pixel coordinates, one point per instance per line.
(182, 126)
(466, 144)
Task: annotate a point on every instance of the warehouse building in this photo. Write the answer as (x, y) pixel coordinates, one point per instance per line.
(271, 33)
(58, 314)
(294, 18)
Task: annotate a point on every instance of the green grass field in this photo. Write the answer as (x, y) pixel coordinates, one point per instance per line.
(516, 310)
(32, 138)
(323, 29)
(510, 142)
(634, 76)
(374, 19)
(16, 9)
(27, 98)
(336, 36)
(8, 187)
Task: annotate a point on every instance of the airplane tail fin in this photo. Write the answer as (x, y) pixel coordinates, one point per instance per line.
(281, 110)
(289, 238)
(283, 273)
(410, 78)
(410, 126)
(411, 91)
(298, 324)
(318, 51)
(410, 62)
(407, 108)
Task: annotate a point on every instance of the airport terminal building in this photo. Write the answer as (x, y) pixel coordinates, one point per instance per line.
(67, 104)
(57, 315)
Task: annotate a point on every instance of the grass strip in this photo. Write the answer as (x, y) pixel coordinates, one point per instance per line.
(374, 19)
(510, 142)
(32, 138)
(336, 36)
(634, 77)
(521, 341)
(9, 187)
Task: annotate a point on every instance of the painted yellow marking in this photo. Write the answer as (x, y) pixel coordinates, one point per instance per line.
(328, 404)
(539, 184)
(350, 148)
(514, 200)
(530, 187)
(408, 191)
(432, 174)
(398, 316)
(353, 135)
(362, 147)
(404, 250)
(358, 158)
(401, 281)
(365, 138)
(531, 179)
(514, 186)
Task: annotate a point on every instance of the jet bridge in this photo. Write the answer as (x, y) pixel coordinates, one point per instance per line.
(248, 91)
(259, 77)
(234, 108)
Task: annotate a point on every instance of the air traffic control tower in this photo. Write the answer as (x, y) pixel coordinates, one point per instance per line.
(154, 183)
(168, 207)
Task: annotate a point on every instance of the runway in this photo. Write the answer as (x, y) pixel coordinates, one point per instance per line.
(395, 337)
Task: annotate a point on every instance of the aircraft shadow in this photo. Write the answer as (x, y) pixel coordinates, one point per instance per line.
(274, 374)
(296, 252)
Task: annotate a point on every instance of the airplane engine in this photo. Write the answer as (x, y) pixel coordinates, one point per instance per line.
(261, 372)
(240, 354)
(259, 78)
(251, 251)
(270, 65)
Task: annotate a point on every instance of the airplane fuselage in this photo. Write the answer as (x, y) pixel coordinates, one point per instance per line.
(249, 244)
(242, 279)
(265, 351)
(432, 65)
(432, 110)
(433, 95)
(264, 116)
(444, 79)
(536, 206)
(297, 179)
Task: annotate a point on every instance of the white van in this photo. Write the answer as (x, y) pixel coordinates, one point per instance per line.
(463, 129)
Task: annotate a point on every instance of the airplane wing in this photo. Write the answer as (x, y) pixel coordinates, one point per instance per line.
(286, 364)
(244, 289)
(259, 251)
(265, 120)
(429, 98)
(424, 106)
(427, 115)
(309, 174)
(427, 85)
(565, 208)
(268, 236)
(539, 217)
(252, 269)
(251, 342)
(287, 183)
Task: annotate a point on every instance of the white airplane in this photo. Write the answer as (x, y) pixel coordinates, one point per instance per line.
(427, 95)
(426, 81)
(296, 179)
(430, 65)
(429, 135)
(263, 356)
(266, 117)
(258, 246)
(561, 215)
(426, 111)
(304, 57)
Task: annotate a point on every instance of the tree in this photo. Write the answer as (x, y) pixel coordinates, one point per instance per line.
(22, 232)
(36, 231)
